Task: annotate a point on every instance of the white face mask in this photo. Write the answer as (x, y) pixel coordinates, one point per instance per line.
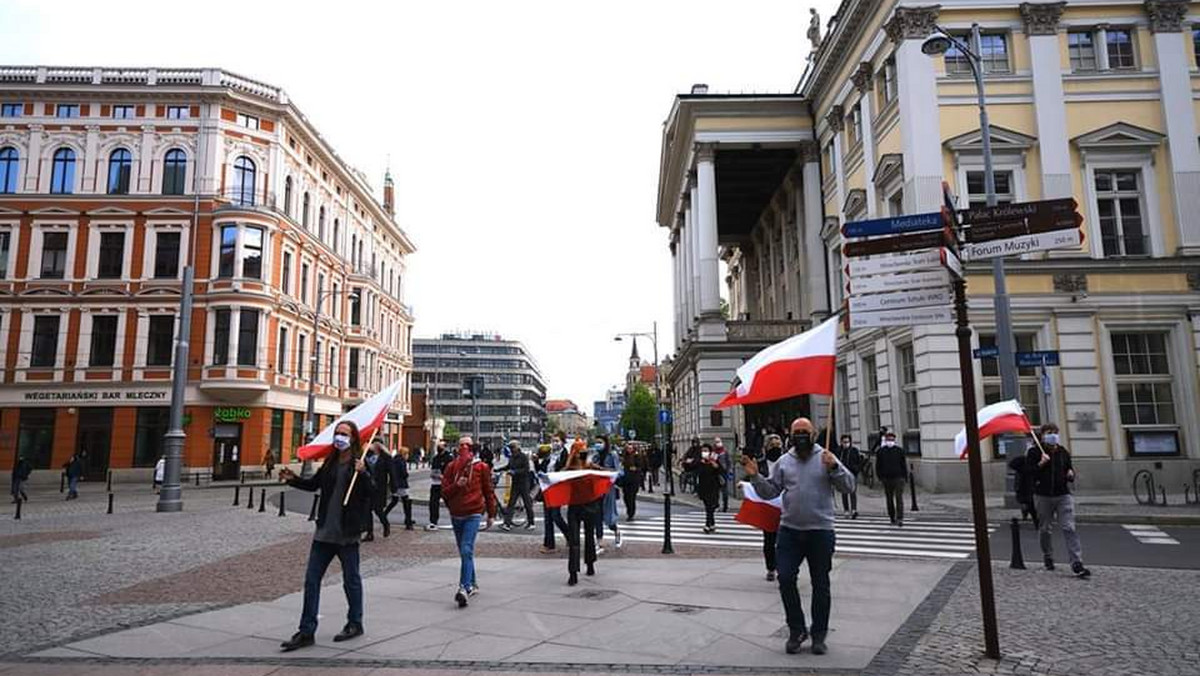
(889, 442)
(1051, 438)
(341, 441)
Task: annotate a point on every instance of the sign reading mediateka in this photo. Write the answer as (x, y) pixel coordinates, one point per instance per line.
(70, 397)
(893, 225)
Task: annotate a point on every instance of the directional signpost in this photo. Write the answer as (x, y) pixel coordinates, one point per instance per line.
(1024, 227)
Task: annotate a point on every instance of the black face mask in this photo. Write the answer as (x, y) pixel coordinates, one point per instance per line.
(802, 442)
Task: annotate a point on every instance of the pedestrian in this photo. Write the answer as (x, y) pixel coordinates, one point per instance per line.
(269, 463)
(436, 464)
(551, 516)
(1053, 477)
(633, 464)
(726, 465)
(606, 459)
(584, 515)
(707, 471)
(765, 461)
(467, 489)
(160, 470)
(399, 487)
(688, 478)
(852, 458)
(654, 463)
(805, 476)
(343, 513)
(381, 468)
(74, 469)
(892, 470)
(21, 472)
(1023, 478)
(522, 484)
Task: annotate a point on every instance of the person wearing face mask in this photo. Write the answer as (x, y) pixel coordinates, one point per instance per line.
(606, 458)
(436, 464)
(1053, 475)
(852, 458)
(765, 460)
(806, 476)
(341, 519)
(584, 515)
(707, 470)
(467, 489)
(383, 477)
(892, 470)
(552, 516)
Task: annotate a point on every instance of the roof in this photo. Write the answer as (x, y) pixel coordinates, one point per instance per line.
(560, 406)
(648, 373)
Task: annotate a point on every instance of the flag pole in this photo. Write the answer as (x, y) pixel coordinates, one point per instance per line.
(363, 457)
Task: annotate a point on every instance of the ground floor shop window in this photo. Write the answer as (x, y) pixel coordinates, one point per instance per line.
(149, 435)
(277, 435)
(35, 436)
(297, 431)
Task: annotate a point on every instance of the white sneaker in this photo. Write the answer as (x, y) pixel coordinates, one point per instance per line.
(599, 550)
(473, 590)
(431, 526)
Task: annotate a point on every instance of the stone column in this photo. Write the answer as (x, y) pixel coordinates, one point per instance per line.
(90, 162)
(814, 249)
(33, 160)
(689, 265)
(918, 103)
(1174, 74)
(706, 235)
(864, 82)
(145, 174)
(836, 120)
(1041, 25)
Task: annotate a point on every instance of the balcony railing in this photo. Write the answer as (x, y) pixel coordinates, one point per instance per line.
(764, 330)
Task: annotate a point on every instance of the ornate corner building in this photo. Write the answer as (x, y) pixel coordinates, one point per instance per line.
(111, 181)
(1090, 100)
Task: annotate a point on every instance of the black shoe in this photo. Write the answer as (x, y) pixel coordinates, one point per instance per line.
(506, 527)
(408, 526)
(854, 515)
(460, 598)
(818, 646)
(1080, 572)
(297, 641)
(795, 640)
(573, 579)
(351, 630)
(591, 570)
(1048, 563)
(369, 537)
(530, 526)
(387, 529)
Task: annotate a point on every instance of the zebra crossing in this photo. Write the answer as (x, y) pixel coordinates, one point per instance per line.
(1149, 535)
(919, 538)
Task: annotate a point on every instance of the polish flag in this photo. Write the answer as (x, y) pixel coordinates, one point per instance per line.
(575, 487)
(802, 364)
(758, 512)
(1003, 416)
(368, 416)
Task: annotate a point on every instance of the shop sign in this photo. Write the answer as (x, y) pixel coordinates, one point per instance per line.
(96, 396)
(231, 414)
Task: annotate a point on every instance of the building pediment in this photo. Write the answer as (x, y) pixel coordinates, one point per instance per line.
(1119, 136)
(891, 167)
(5, 211)
(1002, 140)
(167, 211)
(111, 211)
(54, 211)
(856, 201)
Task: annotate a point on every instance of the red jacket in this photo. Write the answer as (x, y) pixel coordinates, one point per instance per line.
(467, 486)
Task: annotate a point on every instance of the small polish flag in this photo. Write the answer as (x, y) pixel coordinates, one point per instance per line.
(759, 512)
(1003, 416)
(368, 416)
(575, 487)
(802, 364)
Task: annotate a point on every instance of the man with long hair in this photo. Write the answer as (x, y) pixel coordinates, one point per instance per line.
(467, 489)
(340, 524)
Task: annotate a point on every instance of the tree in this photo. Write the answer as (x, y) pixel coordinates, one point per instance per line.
(450, 433)
(640, 413)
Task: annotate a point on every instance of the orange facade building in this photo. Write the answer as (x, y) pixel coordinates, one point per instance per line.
(111, 181)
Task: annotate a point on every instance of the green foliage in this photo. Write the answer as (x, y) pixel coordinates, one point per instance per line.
(640, 413)
(450, 433)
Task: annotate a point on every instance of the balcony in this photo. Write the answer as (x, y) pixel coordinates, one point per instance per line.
(764, 330)
(235, 383)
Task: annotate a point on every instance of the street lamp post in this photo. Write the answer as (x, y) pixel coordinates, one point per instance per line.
(306, 469)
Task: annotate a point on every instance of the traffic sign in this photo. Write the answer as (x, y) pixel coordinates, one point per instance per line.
(1038, 358)
(935, 314)
(664, 416)
(924, 279)
(985, 232)
(989, 352)
(893, 225)
(951, 262)
(900, 299)
(920, 240)
(1003, 213)
(907, 261)
(1059, 239)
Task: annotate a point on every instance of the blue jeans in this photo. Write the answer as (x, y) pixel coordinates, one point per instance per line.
(465, 530)
(791, 549)
(72, 486)
(319, 558)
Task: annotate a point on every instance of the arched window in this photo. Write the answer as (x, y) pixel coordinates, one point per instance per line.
(120, 165)
(304, 212)
(243, 180)
(337, 231)
(287, 196)
(9, 161)
(62, 175)
(321, 224)
(353, 245)
(174, 172)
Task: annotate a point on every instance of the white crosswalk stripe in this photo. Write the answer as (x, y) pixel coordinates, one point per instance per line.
(1149, 535)
(865, 535)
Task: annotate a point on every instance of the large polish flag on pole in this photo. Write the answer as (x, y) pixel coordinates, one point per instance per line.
(575, 487)
(1000, 417)
(802, 364)
(368, 416)
(758, 512)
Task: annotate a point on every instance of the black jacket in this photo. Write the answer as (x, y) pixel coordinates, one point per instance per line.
(851, 457)
(518, 464)
(708, 477)
(356, 517)
(1024, 477)
(23, 470)
(1050, 479)
(890, 463)
(383, 476)
(399, 474)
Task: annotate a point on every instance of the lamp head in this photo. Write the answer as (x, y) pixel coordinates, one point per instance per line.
(936, 45)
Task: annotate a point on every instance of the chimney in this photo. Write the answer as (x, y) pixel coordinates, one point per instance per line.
(389, 194)
(699, 89)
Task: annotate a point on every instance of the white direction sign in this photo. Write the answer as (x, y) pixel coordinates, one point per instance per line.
(904, 282)
(906, 261)
(1058, 239)
(900, 299)
(952, 263)
(906, 317)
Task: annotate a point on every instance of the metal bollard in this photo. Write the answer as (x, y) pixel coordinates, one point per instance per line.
(243, 473)
(1017, 561)
(108, 486)
(110, 503)
(912, 488)
(1163, 490)
(262, 500)
(312, 513)
(281, 512)
(17, 515)
(237, 495)
(250, 499)
(197, 478)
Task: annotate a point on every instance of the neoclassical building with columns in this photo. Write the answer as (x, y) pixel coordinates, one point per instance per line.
(1090, 100)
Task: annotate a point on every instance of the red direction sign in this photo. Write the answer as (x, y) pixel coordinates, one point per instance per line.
(897, 243)
(1034, 225)
(1004, 213)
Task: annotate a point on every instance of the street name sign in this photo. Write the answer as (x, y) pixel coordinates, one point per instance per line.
(935, 314)
(901, 262)
(1059, 239)
(1038, 358)
(1004, 213)
(900, 299)
(924, 279)
(883, 245)
(985, 232)
(893, 225)
(990, 352)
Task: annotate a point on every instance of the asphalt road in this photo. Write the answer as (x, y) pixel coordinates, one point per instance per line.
(1110, 545)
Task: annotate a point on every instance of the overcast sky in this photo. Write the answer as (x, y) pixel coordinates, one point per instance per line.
(523, 136)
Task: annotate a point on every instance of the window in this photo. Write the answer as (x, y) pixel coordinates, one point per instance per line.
(297, 431)
(301, 341)
(277, 435)
(281, 351)
(243, 181)
(285, 281)
(910, 409)
(244, 243)
(247, 121)
(159, 340)
(35, 436)
(11, 109)
(62, 175)
(333, 374)
(221, 328)
(887, 82)
(352, 375)
(1118, 205)
(248, 338)
(287, 196)
(112, 255)
(44, 350)
(321, 224)
(870, 382)
(174, 172)
(895, 204)
(335, 301)
(1120, 48)
(1196, 44)
(104, 340)
(66, 110)
(120, 164)
(304, 282)
(1144, 392)
(320, 286)
(1102, 49)
(252, 252)
(122, 112)
(1082, 50)
(854, 125)
(356, 307)
(228, 254)
(5, 249)
(54, 255)
(337, 230)
(149, 434)
(9, 165)
(304, 212)
(178, 113)
(977, 192)
(166, 255)
(829, 159)
(993, 54)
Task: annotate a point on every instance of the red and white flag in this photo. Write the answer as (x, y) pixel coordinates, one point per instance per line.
(758, 512)
(802, 364)
(575, 487)
(1000, 417)
(368, 416)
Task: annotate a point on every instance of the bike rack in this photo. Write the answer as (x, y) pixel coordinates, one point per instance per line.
(1144, 476)
(1192, 490)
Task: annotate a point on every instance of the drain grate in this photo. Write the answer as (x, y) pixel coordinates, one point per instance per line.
(594, 594)
(681, 609)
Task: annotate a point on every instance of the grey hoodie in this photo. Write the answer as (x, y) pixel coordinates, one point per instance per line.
(805, 485)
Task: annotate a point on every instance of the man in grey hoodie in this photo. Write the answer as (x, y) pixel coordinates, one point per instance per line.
(805, 476)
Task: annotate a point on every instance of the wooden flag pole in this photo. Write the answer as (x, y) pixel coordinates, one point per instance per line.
(363, 457)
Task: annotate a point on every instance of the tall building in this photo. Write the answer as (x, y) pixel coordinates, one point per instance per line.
(607, 412)
(513, 403)
(1090, 100)
(111, 181)
(639, 372)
